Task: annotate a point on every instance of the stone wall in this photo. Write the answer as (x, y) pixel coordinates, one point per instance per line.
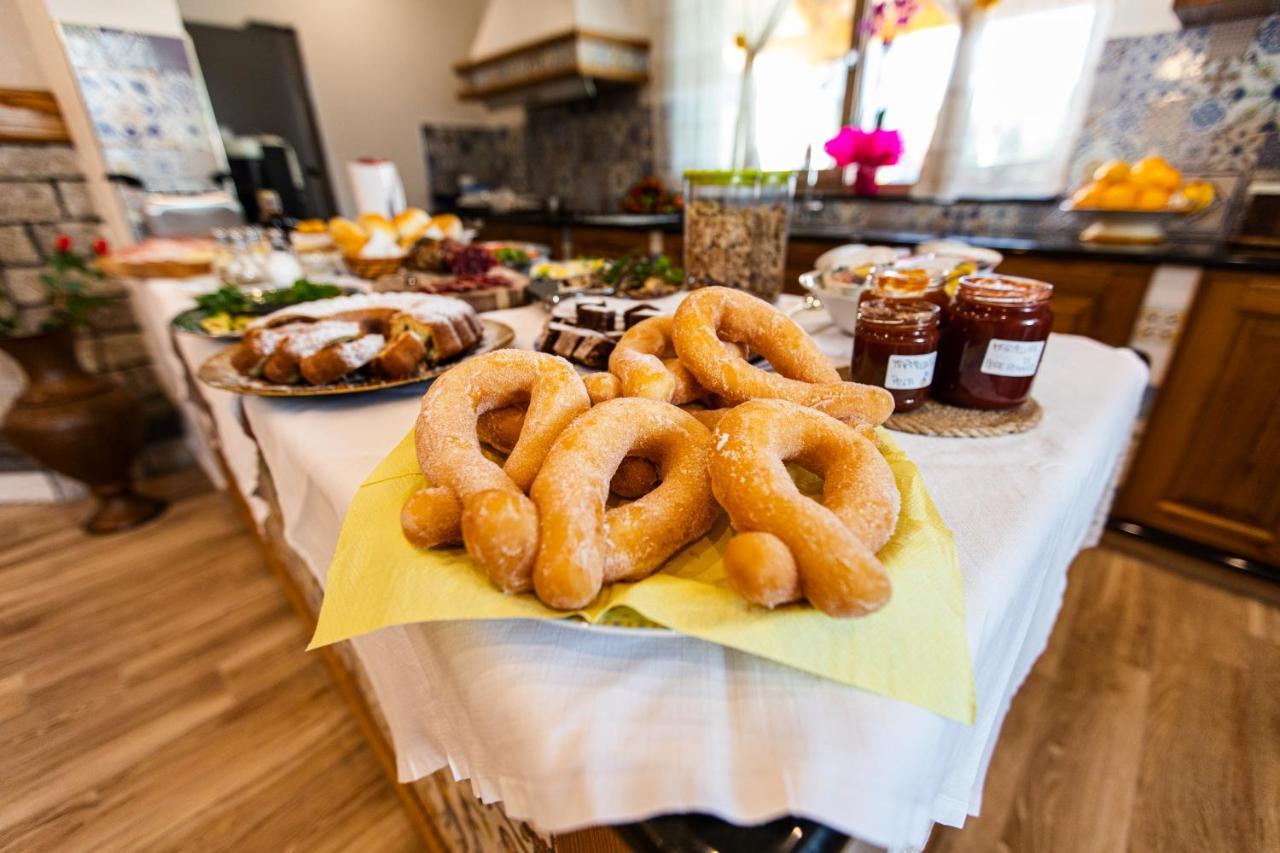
(43, 195)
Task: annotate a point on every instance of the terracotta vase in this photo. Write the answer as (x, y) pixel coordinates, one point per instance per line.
(80, 425)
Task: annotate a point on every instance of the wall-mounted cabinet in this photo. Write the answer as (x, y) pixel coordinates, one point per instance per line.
(1197, 13)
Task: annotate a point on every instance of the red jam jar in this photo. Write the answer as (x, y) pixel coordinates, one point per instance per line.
(895, 346)
(995, 336)
(895, 283)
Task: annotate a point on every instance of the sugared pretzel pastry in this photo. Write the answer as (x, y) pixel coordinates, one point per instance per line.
(634, 477)
(602, 386)
(498, 523)
(788, 546)
(583, 545)
(711, 315)
(644, 362)
(500, 429)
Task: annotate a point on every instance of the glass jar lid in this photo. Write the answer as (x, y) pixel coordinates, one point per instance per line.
(903, 283)
(898, 313)
(992, 289)
(726, 177)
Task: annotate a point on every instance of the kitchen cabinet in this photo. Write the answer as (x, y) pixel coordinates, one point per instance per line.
(1097, 299)
(1197, 13)
(590, 241)
(1208, 468)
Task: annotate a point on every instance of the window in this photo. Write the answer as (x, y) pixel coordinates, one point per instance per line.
(799, 81)
(988, 98)
(798, 78)
(907, 81)
(1019, 118)
(989, 101)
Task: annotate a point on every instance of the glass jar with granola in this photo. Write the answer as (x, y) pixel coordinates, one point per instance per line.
(735, 229)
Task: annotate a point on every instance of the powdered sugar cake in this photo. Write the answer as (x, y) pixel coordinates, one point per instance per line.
(356, 342)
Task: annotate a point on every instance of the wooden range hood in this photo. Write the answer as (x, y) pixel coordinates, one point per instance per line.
(567, 51)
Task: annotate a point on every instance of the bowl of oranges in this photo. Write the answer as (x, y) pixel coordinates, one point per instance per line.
(1132, 202)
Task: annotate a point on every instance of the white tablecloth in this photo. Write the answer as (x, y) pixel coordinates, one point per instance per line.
(568, 728)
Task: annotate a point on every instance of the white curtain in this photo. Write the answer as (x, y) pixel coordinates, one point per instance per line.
(1016, 100)
(745, 153)
(697, 95)
(721, 105)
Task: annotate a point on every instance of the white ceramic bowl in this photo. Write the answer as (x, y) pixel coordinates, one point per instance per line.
(852, 255)
(841, 303)
(986, 258)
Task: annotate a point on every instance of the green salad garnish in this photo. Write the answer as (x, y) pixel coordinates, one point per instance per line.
(637, 267)
(509, 256)
(230, 300)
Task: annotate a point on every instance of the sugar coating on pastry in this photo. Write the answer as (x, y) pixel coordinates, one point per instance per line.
(712, 315)
(423, 305)
(583, 545)
(274, 346)
(310, 339)
(789, 546)
(496, 521)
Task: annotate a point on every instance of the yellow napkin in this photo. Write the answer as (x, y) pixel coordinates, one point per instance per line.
(914, 649)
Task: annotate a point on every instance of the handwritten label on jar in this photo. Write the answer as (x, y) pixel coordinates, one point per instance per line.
(1012, 358)
(907, 372)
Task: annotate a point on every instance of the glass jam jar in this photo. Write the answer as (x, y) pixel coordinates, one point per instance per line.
(995, 336)
(895, 345)
(895, 283)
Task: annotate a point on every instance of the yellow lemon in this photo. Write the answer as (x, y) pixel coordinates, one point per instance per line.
(1112, 172)
(1153, 198)
(1156, 172)
(1120, 197)
(1199, 193)
(1089, 195)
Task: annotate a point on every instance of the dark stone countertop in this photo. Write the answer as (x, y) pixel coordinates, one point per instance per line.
(1188, 251)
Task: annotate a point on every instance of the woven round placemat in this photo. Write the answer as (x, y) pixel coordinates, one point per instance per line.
(934, 418)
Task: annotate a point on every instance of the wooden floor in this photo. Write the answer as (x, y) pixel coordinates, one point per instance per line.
(1152, 723)
(154, 695)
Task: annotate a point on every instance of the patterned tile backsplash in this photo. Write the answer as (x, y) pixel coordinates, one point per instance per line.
(585, 152)
(1206, 98)
(149, 110)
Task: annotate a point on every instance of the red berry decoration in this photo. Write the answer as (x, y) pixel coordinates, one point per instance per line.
(63, 243)
(100, 247)
(469, 260)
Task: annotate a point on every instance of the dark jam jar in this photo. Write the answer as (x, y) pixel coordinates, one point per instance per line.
(895, 345)
(894, 283)
(995, 336)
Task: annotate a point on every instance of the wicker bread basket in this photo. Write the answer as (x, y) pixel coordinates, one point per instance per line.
(121, 268)
(373, 268)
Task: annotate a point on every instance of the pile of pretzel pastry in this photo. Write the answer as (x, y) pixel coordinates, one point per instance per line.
(683, 426)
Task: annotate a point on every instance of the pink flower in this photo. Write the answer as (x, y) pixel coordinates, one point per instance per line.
(865, 147)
